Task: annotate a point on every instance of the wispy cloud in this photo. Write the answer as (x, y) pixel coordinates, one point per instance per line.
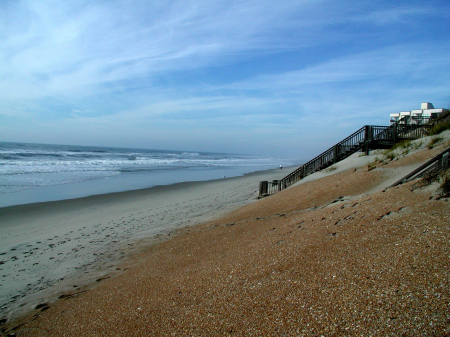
(59, 49)
(248, 67)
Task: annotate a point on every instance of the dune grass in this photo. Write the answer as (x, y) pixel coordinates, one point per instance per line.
(439, 127)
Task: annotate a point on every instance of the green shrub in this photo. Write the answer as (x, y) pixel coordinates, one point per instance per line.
(417, 144)
(439, 127)
(405, 144)
(433, 142)
(389, 155)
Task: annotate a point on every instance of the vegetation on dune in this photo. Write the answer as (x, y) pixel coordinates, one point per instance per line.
(434, 141)
(403, 148)
(372, 165)
(438, 128)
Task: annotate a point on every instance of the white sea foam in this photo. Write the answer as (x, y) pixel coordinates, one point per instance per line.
(26, 166)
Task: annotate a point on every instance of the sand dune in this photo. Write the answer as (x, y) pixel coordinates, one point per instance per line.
(336, 254)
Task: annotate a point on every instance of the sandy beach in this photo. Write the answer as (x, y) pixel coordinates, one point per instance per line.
(338, 253)
(48, 247)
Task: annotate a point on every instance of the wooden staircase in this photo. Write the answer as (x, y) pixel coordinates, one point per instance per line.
(369, 137)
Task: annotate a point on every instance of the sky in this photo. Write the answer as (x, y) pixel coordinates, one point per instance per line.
(279, 78)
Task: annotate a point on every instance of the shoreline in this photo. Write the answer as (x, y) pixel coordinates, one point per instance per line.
(143, 191)
(48, 247)
(324, 257)
(126, 181)
(102, 237)
(86, 238)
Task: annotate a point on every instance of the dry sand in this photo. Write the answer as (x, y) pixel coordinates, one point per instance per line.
(339, 255)
(47, 248)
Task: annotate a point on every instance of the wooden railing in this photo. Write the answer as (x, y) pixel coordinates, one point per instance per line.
(400, 131)
(412, 131)
(269, 187)
(435, 165)
(367, 138)
(339, 151)
(444, 117)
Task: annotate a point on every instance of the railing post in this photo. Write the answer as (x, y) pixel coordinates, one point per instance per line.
(335, 154)
(445, 161)
(368, 134)
(263, 187)
(394, 133)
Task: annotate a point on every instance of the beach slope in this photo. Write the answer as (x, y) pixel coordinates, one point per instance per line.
(339, 255)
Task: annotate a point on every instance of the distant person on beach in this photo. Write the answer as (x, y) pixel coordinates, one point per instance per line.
(281, 166)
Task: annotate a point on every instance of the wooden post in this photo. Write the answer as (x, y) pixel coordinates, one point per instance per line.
(394, 134)
(368, 134)
(335, 154)
(445, 161)
(263, 188)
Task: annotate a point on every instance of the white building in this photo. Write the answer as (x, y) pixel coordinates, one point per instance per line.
(420, 116)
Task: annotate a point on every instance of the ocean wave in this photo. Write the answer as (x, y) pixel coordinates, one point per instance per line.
(41, 165)
(123, 165)
(15, 184)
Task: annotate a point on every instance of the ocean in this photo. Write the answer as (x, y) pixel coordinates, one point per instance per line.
(40, 172)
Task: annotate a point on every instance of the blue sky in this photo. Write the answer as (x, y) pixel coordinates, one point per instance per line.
(284, 78)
